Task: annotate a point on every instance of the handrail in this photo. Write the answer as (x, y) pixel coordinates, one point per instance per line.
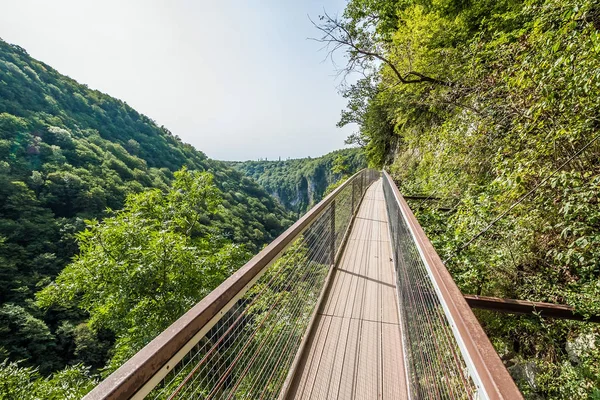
(483, 362)
(160, 353)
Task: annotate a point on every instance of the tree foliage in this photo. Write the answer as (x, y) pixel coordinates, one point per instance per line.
(26, 383)
(142, 268)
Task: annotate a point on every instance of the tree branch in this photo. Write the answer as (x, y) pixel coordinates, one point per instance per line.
(337, 34)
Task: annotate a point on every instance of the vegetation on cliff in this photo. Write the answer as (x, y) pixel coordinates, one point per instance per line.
(493, 107)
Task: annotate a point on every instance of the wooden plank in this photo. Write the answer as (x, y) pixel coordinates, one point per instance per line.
(366, 379)
(335, 305)
(314, 358)
(347, 300)
(340, 286)
(371, 283)
(393, 363)
(328, 358)
(349, 373)
(340, 358)
(389, 299)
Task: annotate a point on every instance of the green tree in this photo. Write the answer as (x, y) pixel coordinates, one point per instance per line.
(300, 183)
(146, 265)
(25, 337)
(514, 98)
(340, 166)
(68, 154)
(25, 383)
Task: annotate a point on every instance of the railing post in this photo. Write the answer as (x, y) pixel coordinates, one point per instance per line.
(352, 197)
(364, 181)
(361, 184)
(332, 244)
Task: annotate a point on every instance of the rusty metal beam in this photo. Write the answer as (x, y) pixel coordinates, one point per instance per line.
(420, 197)
(546, 310)
(446, 209)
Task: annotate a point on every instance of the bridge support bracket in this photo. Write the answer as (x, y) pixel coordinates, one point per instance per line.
(546, 310)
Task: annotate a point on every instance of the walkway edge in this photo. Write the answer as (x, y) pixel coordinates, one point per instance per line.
(326, 288)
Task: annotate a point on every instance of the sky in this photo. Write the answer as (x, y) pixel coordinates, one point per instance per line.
(238, 79)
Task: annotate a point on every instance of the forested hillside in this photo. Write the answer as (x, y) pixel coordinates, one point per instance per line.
(300, 183)
(70, 157)
(493, 106)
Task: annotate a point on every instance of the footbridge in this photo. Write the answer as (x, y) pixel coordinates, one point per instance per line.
(351, 302)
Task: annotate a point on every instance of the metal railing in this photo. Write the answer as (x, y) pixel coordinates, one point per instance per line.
(242, 340)
(447, 353)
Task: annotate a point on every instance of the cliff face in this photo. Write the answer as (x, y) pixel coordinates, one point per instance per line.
(300, 183)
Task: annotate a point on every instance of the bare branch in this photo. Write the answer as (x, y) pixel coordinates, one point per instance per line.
(362, 50)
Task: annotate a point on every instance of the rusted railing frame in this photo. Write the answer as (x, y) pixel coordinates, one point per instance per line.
(161, 354)
(487, 370)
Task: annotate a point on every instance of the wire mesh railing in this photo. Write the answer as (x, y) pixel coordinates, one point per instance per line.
(447, 354)
(241, 341)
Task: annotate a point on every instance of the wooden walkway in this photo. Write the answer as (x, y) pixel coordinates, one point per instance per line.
(355, 351)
